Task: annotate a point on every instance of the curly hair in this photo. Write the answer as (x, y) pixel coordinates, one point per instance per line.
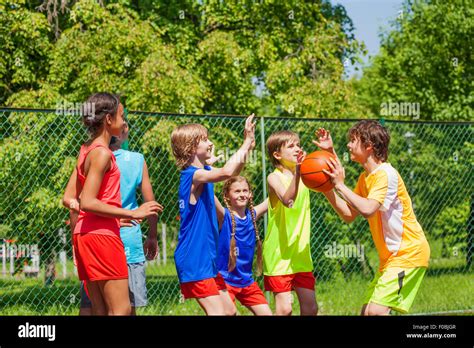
(372, 133)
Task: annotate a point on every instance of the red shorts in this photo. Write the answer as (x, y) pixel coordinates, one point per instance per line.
(100, 257)
(202, 288)
(249, 296)
(288, 282)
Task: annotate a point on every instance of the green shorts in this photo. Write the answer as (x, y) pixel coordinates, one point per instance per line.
(395, 288)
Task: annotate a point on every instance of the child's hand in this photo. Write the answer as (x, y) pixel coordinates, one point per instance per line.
(214, 158)
(249, 132)
(325, 140)
(300, 158)
(336, 171)
(74, 205)
(147, 209)
(150, 247)
(129, 222)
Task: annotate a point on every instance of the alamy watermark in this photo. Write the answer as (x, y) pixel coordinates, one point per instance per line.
(19, 250)
(66, 108)
(400, 109)
(336, 250)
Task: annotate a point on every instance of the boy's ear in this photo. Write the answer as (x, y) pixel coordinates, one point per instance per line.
(276, 155)
(369, 148)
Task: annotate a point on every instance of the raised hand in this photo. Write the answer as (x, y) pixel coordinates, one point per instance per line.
(249, 131)
(324, 141)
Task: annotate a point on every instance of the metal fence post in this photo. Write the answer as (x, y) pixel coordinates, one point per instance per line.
(264, 183)
(264, 169)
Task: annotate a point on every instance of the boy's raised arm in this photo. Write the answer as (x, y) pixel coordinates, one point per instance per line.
(287, 196)
(235, 164)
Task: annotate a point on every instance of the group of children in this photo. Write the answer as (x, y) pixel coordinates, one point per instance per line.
(217, 242)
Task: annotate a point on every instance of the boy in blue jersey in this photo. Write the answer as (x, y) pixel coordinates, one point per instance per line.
(133, 175)
(196, 252)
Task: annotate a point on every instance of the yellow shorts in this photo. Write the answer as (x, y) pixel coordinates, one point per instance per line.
(395, 288)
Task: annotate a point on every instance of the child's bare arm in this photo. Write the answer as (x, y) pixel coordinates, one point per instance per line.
(235, 164)
(341, 207)
(219, 211)
(150, 246)
(286, 196)
(72, 192)
(261, 209)
(99, 163)
(364, 206)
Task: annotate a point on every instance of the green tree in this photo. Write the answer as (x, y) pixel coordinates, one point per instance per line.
(428, 59)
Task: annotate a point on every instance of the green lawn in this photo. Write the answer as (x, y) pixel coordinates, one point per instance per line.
(439, 292)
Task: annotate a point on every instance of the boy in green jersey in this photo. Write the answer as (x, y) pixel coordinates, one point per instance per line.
(287, 263)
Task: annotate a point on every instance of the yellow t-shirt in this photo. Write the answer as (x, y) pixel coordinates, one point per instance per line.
(286, 248)
(397, 235)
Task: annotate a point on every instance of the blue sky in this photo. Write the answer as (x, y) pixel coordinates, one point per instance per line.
(369, 17)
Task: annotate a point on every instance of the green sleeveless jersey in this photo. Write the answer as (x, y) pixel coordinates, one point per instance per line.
(286, 248)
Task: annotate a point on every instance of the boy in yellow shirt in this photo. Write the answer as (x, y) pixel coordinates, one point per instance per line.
(381, 197)
(287, 263)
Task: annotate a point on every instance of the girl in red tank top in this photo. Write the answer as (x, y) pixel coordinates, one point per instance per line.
(97, 246)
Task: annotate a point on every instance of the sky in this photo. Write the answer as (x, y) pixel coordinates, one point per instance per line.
(369, 17)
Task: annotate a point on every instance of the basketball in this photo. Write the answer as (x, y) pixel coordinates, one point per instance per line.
(312, 171)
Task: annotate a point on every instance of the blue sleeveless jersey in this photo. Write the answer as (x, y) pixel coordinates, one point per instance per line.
(196, 252)
(245, 241)
(130, 165)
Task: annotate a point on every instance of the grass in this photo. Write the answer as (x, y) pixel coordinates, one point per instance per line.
(438, 293)
(447, 286)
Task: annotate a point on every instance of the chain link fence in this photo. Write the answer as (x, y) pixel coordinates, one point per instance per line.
(39, 150)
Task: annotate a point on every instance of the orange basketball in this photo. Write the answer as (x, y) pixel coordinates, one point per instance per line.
(312, 171)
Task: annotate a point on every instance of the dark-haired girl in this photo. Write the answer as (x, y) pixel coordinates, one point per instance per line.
(98, 249)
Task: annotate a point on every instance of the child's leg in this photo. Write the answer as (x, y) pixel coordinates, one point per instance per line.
(262, 309)
(307, 299)
(229, 306)
(95, 295)
(212, 305)
(85, 303)
(116, 296)
(283, 303)
(371, 309)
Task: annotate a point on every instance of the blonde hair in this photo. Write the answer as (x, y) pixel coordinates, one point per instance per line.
(184, 141)
(232, 250)
(277, 140)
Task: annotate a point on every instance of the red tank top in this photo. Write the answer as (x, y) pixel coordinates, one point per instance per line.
(109, 193)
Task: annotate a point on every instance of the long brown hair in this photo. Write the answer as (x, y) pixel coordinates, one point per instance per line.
(232, 250)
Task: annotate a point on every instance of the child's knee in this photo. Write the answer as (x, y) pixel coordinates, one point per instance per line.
(230, 311)
(309, 308)
(284, 309)
(376, 310)
(120, 310)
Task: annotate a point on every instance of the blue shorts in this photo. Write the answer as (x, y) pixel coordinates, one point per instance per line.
(136, 287)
